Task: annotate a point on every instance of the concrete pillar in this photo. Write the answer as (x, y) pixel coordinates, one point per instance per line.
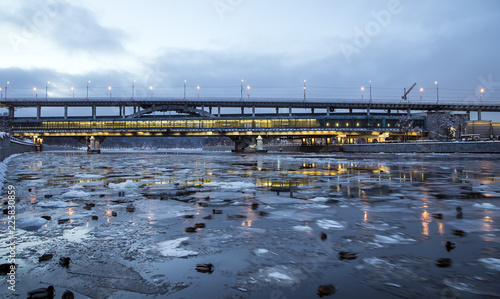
(479, 114)
(327, 111)
(253, 111)
(468, 115)
(92, 142)
(350, 110)
(312, 110)
(289, 111)
(65, 112)
(277, 110)
(242, 110)
(210, 110)
(11, 112)
(135, 109)
(38, 111)
(123, 114)
(218, 111)
(94, 111)
(260, 144)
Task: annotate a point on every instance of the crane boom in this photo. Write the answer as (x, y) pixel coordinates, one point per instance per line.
(407, 92)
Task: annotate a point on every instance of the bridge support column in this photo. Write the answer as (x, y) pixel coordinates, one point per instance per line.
(65, 112)
(38, 141)
(242, 110)
(210, 110)
(468, 115)
(11, 112)
(38, 111)
(368, 111)
(135, 109)
(218, 111)
(289, 111)
(260, 145)
(94, 146)
(277, 110)
(350, 110)
(479, 114)
(94, 111)
(327, 111)
(312, 110)
(124, 112)
(253, 111)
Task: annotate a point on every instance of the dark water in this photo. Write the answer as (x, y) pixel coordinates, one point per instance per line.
(264, 245)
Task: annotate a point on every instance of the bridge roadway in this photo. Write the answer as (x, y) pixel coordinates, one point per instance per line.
(316, 103)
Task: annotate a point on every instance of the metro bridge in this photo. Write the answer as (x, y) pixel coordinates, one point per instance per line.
(202, 117)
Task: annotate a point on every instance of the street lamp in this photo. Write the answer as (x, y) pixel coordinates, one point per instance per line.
(370, 90)
(304, 90)
(362, 90)
(185, 89)
(481, 93)
(36, 94)
(248, 88)
(241, 97)
(151, 89)
(88, 89)
(73, 90)
(109, 88)
(421, 90)
(133, 85)
(198, 89)
(46, 89)
(1, 94)
(7, 85)
(437, 91)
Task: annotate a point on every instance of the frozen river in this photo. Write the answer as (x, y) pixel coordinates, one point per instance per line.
(383, 207)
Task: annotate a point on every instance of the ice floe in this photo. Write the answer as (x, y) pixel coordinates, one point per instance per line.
(172, 248)
(330, 224)
(231, 185)
(31, 223)
(56, 204)
(393, 239)
(491, 263)
(125, 185)
(302, 228)
(76, 194)
(485, 206)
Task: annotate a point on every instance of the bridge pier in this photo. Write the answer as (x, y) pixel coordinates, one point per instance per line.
(65, 112)
(242, 110)
(218, 111)
(479, 114)
(94, 111)
(290, 111)
(253, 111)
(277, 110)
(11, 112)
(38, 111)
(327, 111)
(38, 141)
(94, 146)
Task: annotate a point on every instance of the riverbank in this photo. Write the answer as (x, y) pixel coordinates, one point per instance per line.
(9, 146)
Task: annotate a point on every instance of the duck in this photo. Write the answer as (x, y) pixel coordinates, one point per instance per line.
(5, 211)
(214, 211)
(443, 262)
(6, 268)
(323, 236)
(42, 293)
(205, 268)
(48, 195)
(458, 232)
(130, 208)
(438, 216)
(47, 217)
(199, 225)
(45, 257)
(114, 213)
(94, 217)
(203, 204)
(68, 295)
(188, 216)
(63, 220)
(208, 217)
(326, 290)
(190, 229)
(346, 255)
(64, 261)
(449, 245)
(262, 213)
(459, 212)
(102, 195)
(255, 206)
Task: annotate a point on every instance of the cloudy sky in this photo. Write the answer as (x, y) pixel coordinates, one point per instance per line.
(337, 46)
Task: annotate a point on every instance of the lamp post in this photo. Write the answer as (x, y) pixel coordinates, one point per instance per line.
(362, 90)
(151, 90)
(481, 100)
(1, 94)
(73, 90)
(241, 97)
(421, 90)
(46, 89)
(133, 86)
(304, 90)
(481, 93)
(88, 89)
(198, 89)
(36, 93)
(110, 93)
(248, 88)
(7, 85)
(185, 89)
(370, 91)
(437, 91)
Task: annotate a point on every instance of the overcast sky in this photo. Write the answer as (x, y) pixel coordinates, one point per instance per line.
(337, 46)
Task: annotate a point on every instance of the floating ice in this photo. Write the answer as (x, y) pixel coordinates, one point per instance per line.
(126, 184)
(491, 263)
(302, 228)
(87, 176)
(393, 239)
(76, 194)
(279, 276)
(330, 224)
(231, 185)
(261, 251)
(171, 248)
(319, 199)
(56, 204)
(485, 206)
(469, 225)
(31, 223)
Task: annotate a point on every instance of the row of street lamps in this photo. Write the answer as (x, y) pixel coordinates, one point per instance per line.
(481, 91)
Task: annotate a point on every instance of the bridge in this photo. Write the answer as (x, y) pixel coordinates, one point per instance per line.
(313, 119)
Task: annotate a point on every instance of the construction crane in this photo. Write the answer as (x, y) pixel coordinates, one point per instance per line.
(404, 97)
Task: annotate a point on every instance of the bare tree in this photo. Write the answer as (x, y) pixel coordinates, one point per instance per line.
(405, 125)
(5, 123)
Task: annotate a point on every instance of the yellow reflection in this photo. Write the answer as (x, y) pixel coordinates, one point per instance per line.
(441, 228)
(426, 219)
(71, 211)
(487, 219)
(365, 218)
